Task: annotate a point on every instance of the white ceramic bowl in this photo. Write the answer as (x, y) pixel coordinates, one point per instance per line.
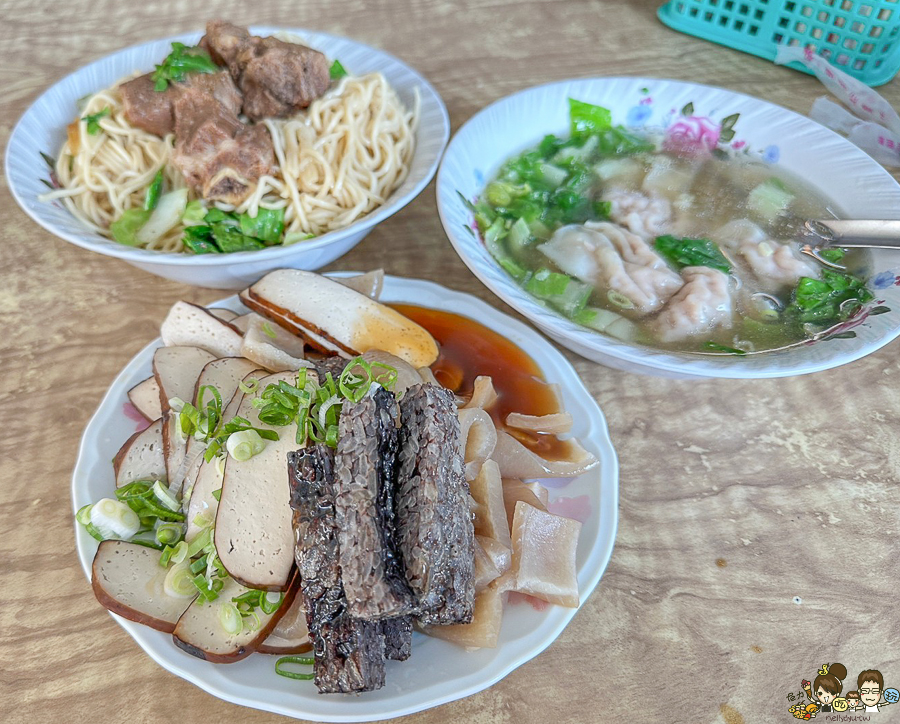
(438, 671)
(857, 185)
(43, 127)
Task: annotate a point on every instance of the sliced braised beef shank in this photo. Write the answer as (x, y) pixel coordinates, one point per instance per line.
(349, 653)
(435, 534)
(365, 472)
(276, 78)
(221, 158)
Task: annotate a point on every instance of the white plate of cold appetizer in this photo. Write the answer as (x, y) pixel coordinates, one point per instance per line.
(319, 464)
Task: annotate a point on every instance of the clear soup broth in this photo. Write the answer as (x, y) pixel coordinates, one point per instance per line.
(688, 252)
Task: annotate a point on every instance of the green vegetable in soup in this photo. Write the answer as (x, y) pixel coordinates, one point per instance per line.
(770, 199)
(832, 299)
(181, 61)
(586, 118)
(833, 254)
(154, 191)
(125, 228)
(714, 347)
(691, 252)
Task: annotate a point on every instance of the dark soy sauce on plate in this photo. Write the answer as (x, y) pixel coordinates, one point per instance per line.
(469, 349)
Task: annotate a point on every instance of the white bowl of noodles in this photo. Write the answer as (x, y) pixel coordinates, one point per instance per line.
(333, 227)
(852, 183)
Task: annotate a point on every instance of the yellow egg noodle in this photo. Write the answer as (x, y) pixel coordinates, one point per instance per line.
(336, 161)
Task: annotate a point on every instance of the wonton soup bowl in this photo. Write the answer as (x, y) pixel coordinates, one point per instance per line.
(43, 128)
(856, 186)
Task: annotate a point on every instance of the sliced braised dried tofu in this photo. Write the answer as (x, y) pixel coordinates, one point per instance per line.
(176, 370)
(199, 631)
(338, 319)
(254, 536)
(514, 491)
(225, 375)
(242, 321)
(201, 500)
(271, 346)
(174, 448)
(290, 635)
(500, 555)
(479, 437)
(544, 548)
(142, 457)
(369, 283)
(128, 580)
(226, 315)
(484, 631)
(144, 396)
(490, 514)
(192, 326)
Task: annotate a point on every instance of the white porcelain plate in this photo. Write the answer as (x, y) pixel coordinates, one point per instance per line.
(857, 186)
(438, 671)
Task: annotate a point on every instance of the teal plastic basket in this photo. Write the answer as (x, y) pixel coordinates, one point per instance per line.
(858, 36)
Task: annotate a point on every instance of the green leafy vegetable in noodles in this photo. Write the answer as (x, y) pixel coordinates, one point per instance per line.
(154, 191)
(93, 121)
(268, 225)
(125, 228)
(181, 61)
(336, 71)
(691, 252)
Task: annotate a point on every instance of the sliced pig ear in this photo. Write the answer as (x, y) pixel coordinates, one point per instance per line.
(370, 283)
(484, 631)
(328, 315)
(199, 631)
(142, 457)
(544, 548)
(517, 461)
(144, 396)
(128, 580)
(192, 326)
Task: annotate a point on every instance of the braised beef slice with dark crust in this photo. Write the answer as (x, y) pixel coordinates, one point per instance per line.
(397, 634)
(153, 111)
(435, 534)
(276, 78)
(349, 653)
(365, 474)
(221, 158)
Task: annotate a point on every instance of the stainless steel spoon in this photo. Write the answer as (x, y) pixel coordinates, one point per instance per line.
(850, 233)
